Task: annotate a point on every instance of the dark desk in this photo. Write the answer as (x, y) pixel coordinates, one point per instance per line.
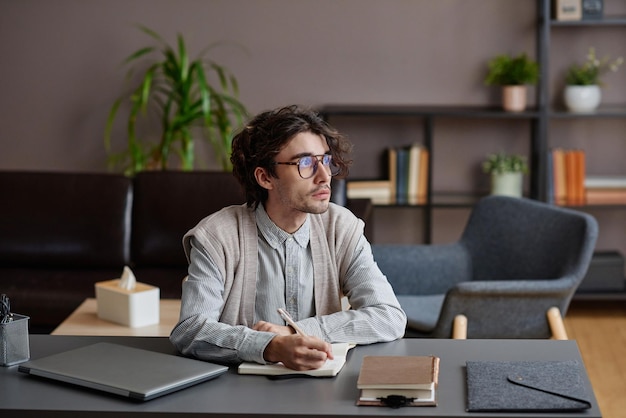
(232, 395)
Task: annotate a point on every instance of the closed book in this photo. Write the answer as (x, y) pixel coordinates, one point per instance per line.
(558, 176)
(422, 189)
(608, 196)
(411, 380)
(392, 157)
(402, 176)
(605, 182)
(379, 191)
(413, 173)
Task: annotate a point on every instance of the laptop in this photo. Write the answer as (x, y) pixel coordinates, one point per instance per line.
(130, 372)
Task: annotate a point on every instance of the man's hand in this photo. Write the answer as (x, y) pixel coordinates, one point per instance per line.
(276, 329)
(297, 352)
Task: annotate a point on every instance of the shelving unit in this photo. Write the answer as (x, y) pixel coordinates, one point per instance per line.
(539, 121)
(550, 113)
(428, 114)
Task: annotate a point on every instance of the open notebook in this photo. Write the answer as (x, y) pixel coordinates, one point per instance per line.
(126, 371)
(329, 369)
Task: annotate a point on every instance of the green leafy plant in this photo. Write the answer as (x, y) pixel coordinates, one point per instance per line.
(500, 163)
(191, 97)
(505, 70)
(589, 72)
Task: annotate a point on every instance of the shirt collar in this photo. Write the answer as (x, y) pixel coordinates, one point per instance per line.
(275, 236)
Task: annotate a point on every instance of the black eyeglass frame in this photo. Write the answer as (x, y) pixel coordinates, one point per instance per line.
(316, 161)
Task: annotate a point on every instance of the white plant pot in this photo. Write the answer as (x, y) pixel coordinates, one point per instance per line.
(507, 184)
(582, 98)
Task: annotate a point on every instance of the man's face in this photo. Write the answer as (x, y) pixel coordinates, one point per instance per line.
(290, 190)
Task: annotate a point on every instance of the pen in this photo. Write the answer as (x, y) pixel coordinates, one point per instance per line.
(285, 315)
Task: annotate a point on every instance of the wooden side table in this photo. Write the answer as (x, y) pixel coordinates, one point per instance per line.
(84, 321)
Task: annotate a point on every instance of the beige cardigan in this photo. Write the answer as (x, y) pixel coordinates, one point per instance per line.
(230, 238)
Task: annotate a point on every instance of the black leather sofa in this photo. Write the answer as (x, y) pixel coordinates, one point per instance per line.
(62, 232)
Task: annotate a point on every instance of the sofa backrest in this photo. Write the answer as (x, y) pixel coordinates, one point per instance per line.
(167, 204)
(53, 219)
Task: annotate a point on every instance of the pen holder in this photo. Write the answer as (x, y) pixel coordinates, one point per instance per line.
(14, 346)
(134, 308)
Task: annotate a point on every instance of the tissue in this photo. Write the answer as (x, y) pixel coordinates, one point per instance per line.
(127, 281)
(128, 302)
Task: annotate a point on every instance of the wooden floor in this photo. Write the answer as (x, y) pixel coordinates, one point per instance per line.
(600, 331)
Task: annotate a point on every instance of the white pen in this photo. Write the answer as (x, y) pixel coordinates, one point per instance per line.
(289, 320)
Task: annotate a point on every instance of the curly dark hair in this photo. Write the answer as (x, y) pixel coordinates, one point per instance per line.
(258, 143)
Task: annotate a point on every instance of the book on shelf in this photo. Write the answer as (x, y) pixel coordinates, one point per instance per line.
(605, 182)
(329, 369)
(407, 183)
(608, 196)
(392, 157)
(408, 174)
(379, 191)
(402, 176)
(407, 380)
(567, 176)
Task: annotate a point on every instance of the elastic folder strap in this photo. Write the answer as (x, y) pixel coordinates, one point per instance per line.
(396, 401)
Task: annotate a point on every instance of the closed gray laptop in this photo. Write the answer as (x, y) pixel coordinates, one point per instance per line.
(126, 371)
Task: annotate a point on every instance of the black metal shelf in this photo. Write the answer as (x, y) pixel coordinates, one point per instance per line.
(441, 201)
(603, 22)
(604, 111)
(437, 111)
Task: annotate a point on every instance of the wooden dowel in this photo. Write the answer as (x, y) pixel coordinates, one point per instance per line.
(556, 324)
(459, 327)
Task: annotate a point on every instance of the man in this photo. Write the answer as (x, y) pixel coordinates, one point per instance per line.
(288, 247)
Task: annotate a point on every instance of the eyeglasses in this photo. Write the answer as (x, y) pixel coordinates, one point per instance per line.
(307, 166)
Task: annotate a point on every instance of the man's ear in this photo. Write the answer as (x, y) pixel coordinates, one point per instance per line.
(263, 178)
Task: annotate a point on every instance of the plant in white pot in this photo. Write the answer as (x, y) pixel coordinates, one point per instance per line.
(513, 74)
(507, 173)
(582, 91)
(192, 98)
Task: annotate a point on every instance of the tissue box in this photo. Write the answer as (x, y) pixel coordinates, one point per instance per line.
(134, 308)
(14, 347)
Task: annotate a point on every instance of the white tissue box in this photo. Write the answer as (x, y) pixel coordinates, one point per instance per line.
(134, 308)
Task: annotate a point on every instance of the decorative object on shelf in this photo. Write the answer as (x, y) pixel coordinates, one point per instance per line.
(592, 9)
(513, 74)
(507, 171)
(187, 103)
(568, 9)
(582, 91)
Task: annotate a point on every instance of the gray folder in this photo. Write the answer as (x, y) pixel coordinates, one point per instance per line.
(121, 370)
(526, 386)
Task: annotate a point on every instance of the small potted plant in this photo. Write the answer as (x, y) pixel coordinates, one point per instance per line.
(513, 74)
(192, 98)
(506, 172)
(582, 91)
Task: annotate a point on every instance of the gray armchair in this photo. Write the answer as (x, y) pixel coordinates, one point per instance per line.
(516, 259)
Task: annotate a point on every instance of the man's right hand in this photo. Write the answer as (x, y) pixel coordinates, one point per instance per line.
(297, 352)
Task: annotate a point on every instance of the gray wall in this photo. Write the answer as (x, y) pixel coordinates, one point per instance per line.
(60, 71)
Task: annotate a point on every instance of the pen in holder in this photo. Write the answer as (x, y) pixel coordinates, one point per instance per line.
(14, 347)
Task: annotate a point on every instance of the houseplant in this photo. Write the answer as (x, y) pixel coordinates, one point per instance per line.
(192, 98)
(582, 91)
(506, 172)
(513, 74)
